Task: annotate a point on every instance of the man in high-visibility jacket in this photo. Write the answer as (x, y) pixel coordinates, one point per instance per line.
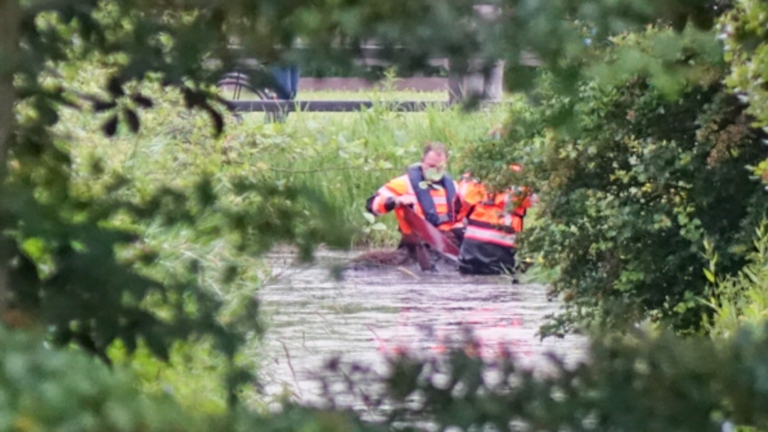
(428, 189)
(493, 220)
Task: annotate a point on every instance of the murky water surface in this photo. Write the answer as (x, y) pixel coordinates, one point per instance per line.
(373, 313)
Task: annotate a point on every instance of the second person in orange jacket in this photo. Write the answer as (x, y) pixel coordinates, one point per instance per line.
(493, 220)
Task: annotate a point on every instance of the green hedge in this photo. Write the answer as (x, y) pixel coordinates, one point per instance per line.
(631, 183)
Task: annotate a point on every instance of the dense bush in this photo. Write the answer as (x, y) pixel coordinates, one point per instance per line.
(369, 72)
(631, 184)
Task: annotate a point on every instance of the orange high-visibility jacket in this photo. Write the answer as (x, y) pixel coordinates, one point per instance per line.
(383, 202)
(493, 218)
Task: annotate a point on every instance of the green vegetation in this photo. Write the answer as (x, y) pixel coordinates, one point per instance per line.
(132, 221)
(632, 184)
(739, 300)
(44, 389)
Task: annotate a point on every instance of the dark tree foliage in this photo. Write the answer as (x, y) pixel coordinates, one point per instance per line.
(633, 185)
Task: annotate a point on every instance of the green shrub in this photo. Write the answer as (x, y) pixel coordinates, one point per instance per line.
(631, 183)
(194, 374)
(44, 389)
(739, 300)
(51, 389)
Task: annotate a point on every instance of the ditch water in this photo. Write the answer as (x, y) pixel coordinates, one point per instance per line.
(369, 314)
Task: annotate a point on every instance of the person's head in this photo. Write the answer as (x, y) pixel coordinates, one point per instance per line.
(433, 161)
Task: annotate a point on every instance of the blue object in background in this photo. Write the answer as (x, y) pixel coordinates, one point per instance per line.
(287, 79)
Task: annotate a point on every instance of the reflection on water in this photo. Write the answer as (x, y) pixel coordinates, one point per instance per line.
(374, 313)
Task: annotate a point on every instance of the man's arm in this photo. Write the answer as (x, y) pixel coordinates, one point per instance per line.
(377, 205)
(389, 196)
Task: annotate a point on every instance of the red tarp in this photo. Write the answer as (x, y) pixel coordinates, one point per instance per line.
(431, 235)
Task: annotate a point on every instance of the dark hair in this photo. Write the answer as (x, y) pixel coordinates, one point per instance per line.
(436, 147)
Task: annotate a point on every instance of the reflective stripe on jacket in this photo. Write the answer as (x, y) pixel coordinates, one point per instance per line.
(489, 235)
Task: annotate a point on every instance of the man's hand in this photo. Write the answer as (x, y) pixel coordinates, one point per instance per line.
(405, 200)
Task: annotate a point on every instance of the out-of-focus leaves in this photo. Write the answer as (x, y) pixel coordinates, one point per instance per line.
(218, 120)
(193, 98)
(158, 346)
(132, 119)
(102, 105)
(110, 125)
(142, 100)
(115, 87)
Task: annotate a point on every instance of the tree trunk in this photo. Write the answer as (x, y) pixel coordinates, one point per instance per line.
(10, 12)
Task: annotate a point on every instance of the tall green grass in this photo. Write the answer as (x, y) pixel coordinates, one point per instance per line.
(346, 156)
(351, 155)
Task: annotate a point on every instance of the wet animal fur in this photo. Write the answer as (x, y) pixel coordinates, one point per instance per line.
(401, 257)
